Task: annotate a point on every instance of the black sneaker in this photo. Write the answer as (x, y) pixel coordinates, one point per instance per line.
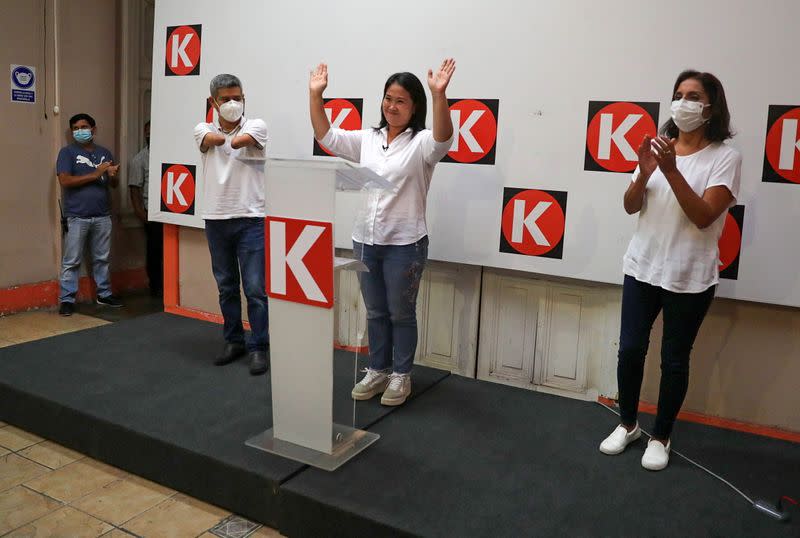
(66, 309)
(111, 301)
(258, 362)
(230, 353)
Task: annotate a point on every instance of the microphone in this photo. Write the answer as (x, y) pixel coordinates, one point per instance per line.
(386, 147)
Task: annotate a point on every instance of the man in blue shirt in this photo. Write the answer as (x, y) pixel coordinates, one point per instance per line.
(85, 171)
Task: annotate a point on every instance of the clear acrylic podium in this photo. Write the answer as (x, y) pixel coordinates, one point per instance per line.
(302, 335)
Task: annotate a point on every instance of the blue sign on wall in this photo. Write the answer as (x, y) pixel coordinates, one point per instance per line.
(23, 83)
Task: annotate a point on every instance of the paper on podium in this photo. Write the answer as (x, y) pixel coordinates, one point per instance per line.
(349, 264)
(350, 177)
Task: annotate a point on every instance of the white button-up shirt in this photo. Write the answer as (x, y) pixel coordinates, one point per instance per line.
(233, 178)
(391, 218)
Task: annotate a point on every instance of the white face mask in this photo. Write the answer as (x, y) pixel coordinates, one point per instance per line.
(231, 110)
(688, 115)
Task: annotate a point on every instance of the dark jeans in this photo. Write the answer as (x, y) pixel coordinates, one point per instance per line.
(154, 233)
(683, 315)
(390, 290)
(238, 244)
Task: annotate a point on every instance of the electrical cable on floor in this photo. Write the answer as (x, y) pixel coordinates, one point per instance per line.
(774, 511)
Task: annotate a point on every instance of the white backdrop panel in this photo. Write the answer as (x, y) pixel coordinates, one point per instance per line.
(544, 61)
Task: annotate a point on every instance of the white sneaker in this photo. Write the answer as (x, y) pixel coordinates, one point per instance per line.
(656, 457)
(398, 390)
(619, 439)
(374, 382)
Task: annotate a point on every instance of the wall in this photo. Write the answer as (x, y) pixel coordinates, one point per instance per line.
(89, 77)
(572, 63)
(197, 287)
(744, 364)
(30, 245)
(27, 213)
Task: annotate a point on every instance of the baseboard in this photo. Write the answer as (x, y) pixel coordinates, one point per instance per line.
(45, 294)
(719, 422)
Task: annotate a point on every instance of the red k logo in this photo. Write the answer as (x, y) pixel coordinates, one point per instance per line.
(183, 50)
(177, 188)
(475, 125)
(210, 111)
(613, 134)
(533, 222)
(730, 243)
(342, 114)
(782, 152)
(300, 261)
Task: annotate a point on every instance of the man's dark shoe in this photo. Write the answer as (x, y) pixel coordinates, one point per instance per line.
(258, 362)
(230, 353)
(66, 309)
(111, 301)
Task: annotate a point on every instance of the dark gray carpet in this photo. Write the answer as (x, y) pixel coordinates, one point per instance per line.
(143, 395)
(470, 458)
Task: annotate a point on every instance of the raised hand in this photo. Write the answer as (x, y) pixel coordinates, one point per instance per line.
(112, 170)
(318, 80)
(438, 81)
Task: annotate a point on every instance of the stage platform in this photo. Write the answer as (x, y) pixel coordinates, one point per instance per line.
(461, 458)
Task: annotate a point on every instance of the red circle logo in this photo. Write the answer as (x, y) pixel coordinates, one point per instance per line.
(533, 222)
(476, 130)
(183, 50)
(614, 134)
(782, 151)
(177, 188)
(343, 115)
(729, 242)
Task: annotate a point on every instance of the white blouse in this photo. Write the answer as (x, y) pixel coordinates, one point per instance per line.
(667, 249)
(391, 218)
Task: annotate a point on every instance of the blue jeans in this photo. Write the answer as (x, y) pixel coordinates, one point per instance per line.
(97, 231)
(390, 291)
(683, 315)
(238, 244)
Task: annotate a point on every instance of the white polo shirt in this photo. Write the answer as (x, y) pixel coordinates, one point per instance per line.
(667, 249)
(234, 178)
(391, 218)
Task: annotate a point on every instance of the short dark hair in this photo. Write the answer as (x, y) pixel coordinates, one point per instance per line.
(413, 86)
(719, 124)
(82, 116)
(224, 81)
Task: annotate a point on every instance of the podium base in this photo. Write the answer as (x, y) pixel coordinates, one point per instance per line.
(347, 443)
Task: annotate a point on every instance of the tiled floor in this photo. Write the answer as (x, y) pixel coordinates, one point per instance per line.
(48, 490)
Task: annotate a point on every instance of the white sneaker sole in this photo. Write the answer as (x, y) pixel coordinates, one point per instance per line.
(400, 400)
(360, 396)
(621, 450)
(658, 467)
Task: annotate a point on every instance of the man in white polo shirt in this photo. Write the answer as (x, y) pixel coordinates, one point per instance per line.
(233, 155)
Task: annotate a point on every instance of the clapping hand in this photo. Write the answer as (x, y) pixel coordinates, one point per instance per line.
(663, 150)
(647, 161)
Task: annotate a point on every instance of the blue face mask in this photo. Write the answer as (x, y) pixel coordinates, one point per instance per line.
(82, 135)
